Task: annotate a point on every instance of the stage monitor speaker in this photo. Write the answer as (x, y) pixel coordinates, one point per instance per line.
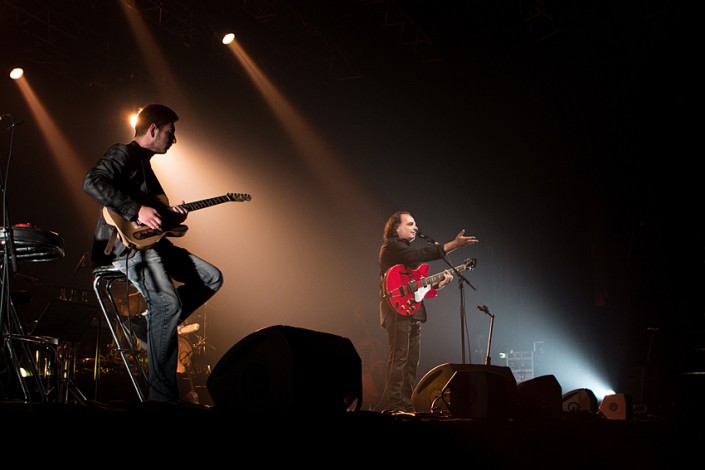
(290, 370)
(580, 400)
(541, 396)
(616, 406)
(466, 391)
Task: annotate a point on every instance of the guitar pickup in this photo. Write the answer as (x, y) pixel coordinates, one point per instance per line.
(146, 233)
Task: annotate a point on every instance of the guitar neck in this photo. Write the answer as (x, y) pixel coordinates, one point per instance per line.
(202, 204)
(431, 280)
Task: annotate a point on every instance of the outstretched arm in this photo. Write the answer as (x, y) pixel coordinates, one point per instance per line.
(460, 241)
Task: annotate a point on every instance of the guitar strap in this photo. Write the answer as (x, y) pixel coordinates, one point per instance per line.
(111, 242)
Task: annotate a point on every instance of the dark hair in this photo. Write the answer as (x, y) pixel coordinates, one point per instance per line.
(157, 114)
(390, 228)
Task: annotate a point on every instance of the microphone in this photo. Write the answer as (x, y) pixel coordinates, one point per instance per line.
(483, 308)
(12, 120)
(426, 237)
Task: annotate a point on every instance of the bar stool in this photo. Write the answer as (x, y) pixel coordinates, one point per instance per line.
(103, 279)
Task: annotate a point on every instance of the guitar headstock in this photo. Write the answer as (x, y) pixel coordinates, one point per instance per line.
(470, 263)
(239, 197)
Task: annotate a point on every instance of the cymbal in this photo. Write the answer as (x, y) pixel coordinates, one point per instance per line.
(186, 329)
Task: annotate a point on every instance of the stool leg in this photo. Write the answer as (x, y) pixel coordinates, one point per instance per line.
(102, 286)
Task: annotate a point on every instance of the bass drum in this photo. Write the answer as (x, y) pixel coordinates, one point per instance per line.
(185, 354)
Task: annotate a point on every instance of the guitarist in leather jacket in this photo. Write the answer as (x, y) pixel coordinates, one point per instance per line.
(404, 331)
(123, 181)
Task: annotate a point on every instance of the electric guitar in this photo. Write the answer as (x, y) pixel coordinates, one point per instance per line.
(139, 236)
(405, 288)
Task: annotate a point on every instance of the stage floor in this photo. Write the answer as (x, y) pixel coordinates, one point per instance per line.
(205, 435)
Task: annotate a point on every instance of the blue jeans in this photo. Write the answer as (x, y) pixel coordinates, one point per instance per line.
(156, 272)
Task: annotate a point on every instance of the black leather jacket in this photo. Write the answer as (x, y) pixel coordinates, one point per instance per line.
(121, 180)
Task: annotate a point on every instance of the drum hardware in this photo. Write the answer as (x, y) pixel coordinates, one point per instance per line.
(30, 357)
(22, 243)
(31, 244)
(76, 295)
(65, 322)
(106, 364)
(67, 357)
(193, 366)
(185, 354)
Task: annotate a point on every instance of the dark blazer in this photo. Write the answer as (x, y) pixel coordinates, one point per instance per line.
(397, 251)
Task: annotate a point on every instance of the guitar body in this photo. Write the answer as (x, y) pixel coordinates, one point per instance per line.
(135, 235)
(405, 288)
(140, 237)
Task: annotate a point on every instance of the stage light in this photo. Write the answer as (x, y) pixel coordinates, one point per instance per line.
(228, 38)
(616, 406)
(16, 73)
(580, 400)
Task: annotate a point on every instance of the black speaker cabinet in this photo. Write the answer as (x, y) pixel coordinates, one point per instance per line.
(288, 369)
(466, 391)
(539, 397)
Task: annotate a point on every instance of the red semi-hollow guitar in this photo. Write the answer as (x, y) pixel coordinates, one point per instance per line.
(405, 288)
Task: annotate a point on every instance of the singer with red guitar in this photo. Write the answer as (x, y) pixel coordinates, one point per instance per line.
(403, 286)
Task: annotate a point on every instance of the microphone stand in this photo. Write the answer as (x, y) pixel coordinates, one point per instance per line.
(483, 308)
(461, 282)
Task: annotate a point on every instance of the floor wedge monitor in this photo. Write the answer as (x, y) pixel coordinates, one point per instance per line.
(288, 369)
(466, 391)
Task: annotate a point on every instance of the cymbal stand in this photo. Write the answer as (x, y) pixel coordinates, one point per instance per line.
(67, 363)
(200, 348)
(12, 335)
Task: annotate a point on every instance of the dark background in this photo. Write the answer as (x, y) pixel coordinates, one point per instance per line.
(556, 132)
